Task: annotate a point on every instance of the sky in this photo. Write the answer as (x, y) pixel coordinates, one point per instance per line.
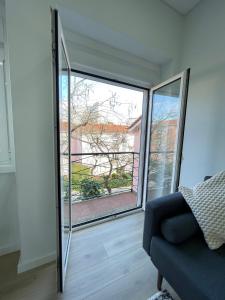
(165, 107)
(126, 107)
(128, 103)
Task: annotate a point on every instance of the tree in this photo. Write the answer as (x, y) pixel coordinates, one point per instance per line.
(163, 139)
(85, 115)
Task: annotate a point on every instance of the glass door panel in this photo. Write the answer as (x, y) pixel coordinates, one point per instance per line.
(64, 153)
(61, 76)
(166, 125)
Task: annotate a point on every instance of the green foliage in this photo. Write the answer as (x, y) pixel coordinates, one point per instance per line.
(120, 180)
(116, 180)
(66, 187)
(90, 188)
(79, 172)
(115, 176)
(126, 176)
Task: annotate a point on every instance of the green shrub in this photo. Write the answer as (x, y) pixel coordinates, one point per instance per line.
(90, 188)
(126, 176)
(79, 172)
(120, 182)
(115, 175)
(66, 187)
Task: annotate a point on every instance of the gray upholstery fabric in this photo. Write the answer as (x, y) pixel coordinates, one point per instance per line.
(157, 210)
(193, 270)
(179, 228)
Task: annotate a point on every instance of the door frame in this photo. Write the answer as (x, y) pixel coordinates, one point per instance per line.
(184, 77)
(57, 40)
(146, 92)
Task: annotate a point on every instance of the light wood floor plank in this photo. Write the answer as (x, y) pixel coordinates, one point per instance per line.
(106, 262)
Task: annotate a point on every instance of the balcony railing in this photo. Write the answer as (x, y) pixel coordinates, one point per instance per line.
(102, 174)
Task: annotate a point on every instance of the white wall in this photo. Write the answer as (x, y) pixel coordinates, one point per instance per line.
(9, 227)
(9, 230)
(204, 52)
(29, 36)
(148, 29)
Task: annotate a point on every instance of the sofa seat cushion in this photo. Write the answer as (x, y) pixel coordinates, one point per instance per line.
(179, 228)
(192, 269)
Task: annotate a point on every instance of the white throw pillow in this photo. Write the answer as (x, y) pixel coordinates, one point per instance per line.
(207, 202)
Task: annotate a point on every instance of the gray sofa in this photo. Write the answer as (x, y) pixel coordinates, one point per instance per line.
(180, 254)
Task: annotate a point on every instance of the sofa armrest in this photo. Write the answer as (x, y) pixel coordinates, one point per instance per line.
(157, 210)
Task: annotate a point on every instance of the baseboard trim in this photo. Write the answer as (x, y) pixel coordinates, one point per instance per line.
(27, 265)
(10, 248)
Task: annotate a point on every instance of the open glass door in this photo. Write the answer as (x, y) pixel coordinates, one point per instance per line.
(61, 69)
(165, 136)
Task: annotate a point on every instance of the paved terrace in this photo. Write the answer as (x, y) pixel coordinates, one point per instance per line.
(99, 207)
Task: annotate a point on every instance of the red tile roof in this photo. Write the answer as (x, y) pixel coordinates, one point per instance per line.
(107, 128)
(98, 127)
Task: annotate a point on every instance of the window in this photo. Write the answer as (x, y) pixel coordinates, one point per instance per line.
(7, 160)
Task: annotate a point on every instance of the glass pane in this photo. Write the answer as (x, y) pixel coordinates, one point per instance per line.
(64, 152)
(164, 127)
(4, 134)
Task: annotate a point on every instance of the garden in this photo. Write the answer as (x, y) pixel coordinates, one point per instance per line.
(86, 186)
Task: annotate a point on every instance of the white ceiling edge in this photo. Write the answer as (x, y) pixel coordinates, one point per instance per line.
(182, 6)
(72, 21)
(113, 76)
(82, 49)
(90, 45)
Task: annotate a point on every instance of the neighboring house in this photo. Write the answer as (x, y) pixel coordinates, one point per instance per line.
(82, 143)
(161, 153)
(163, 131)
(81, 138)
(135, 130)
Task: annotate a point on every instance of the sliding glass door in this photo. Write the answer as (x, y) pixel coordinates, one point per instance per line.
(165, 136)
(61, 69)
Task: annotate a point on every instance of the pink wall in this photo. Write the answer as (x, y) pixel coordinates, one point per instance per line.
(76, 147)
(137, 137)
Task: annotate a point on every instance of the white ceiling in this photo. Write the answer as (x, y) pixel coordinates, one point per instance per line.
(182, 6)
(95, 31)
(85, 26)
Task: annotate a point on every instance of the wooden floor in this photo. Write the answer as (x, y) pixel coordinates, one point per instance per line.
(106, 262)
(37, 284)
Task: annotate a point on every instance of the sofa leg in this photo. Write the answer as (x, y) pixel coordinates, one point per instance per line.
(159, 282)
